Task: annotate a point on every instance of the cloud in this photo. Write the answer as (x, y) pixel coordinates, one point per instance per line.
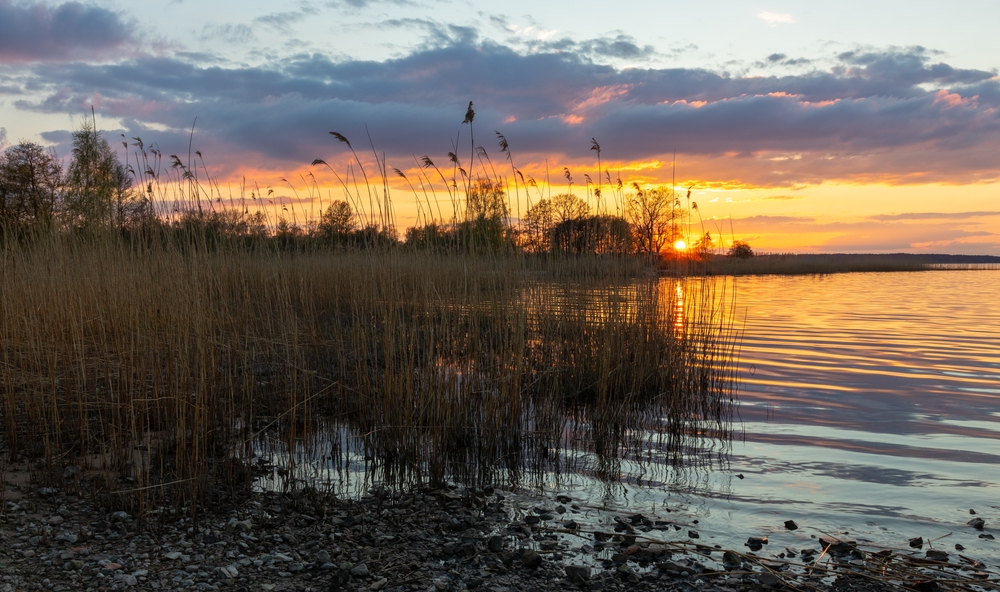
(37, 32)
(934, 216)
(773, 19)
(784, 197)
(228, 33)
(890, 115)
(282, 21)
(3, 138)
(620, 47)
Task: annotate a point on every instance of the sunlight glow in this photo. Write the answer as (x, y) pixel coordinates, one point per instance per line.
(680, 245)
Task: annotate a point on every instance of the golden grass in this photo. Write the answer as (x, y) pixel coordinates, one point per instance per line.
(152, 375)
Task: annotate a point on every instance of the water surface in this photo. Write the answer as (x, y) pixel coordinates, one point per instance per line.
(869, 407)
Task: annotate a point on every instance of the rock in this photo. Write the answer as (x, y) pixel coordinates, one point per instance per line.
(988, 537)
(120, 517)
(755, 543)
(322, 557)
(917, 542)
(731, 560)
(768, 579)
(971, 511)
(531, 559)
(495, 543)
(693, 534)
(836, 546)
(128, 579)
(791, 525)
(56, 520)
(379, 584)
(937, 554)
(577, 573)
(977, 523)
(359, 571)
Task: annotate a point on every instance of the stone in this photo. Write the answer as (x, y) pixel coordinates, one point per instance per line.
(937, 554)
(578, 573)
(791, 525)
(531, 559)
(917, 542)
(731, 560)
(693, 534)
(128, 579)
(768, 579)
(977, 523)
(56, 520)
(379, 584)
(359, 571)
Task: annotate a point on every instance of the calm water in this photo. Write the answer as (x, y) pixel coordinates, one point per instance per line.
(870, 407)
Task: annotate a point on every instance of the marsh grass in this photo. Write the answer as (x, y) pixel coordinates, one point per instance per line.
(170, 362)
(152, 376)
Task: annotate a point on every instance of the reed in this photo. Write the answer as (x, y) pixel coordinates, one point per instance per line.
(162, 376)
(176, 356)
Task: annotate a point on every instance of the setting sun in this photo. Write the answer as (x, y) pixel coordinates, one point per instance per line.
(680, 245)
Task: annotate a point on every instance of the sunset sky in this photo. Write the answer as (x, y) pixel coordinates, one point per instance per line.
(851, 126)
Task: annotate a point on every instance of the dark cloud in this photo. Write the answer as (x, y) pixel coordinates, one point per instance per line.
(37, 32)
(876, 116)
(228, 33)
(780, 59)
(282, 21)
(620, 47)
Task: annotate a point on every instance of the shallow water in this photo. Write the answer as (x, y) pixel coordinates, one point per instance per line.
(870, 407)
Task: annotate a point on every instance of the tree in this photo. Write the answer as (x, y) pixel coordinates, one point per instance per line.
(703, 247)
(486, 213)
(567, 206)
(95, 180)
(740, 249)
(538, 222)
(654, 215)
(337, 220)
(29, 186)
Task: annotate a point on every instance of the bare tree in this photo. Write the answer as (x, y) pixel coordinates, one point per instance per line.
(653, 214)
(29, 186)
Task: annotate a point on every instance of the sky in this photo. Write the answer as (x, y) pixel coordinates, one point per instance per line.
(801, 127)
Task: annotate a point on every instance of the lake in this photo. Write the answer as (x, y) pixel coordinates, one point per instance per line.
(869, 409)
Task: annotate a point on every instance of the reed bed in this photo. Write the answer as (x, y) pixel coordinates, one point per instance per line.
(165, 376)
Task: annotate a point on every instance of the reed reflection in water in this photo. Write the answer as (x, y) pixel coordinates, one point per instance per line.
(580, 380)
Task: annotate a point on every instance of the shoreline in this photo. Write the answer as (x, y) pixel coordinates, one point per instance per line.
(811, 264)
(439, 540)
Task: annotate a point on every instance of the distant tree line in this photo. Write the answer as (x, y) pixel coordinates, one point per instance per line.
(97, 193)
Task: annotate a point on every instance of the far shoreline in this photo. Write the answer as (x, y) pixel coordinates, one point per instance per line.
(811, 264)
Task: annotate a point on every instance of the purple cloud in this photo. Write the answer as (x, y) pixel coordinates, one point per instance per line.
(71, 31)
(869, 117)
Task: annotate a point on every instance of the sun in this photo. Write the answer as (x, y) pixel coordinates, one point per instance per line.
(680, 245)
